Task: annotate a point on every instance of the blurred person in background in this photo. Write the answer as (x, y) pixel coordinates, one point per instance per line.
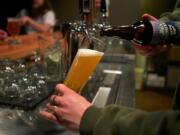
(40, 18)
(74, 112)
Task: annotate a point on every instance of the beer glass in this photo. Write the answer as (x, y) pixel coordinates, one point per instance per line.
(82, 67)
(13, 28)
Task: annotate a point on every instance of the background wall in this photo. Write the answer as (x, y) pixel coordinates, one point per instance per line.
(156, 7)
(66, 10)
(121, 11)
(124, 11)
(12, 7)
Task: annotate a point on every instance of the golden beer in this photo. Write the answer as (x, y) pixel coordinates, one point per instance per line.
(13, 27)
(82, 67)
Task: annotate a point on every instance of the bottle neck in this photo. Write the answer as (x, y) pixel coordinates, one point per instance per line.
(124, 32)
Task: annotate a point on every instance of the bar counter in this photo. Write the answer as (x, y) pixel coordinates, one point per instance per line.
(115, 72)
(27, 44)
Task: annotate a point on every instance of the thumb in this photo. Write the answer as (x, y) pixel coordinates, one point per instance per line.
(149, 17)
(3, 34)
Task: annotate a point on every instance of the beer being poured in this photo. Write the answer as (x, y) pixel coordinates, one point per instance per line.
(147, 32)
(82, 67)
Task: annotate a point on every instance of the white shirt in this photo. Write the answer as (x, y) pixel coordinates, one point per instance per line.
(47, 18)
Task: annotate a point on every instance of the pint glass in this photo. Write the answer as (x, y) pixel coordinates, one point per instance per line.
(13, 26)
(82, 67)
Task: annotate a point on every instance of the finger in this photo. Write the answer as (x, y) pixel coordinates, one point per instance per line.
(56, 100)
(56, 110)
(62, 89)
(3, 34)
(62, 122)
(48, 116)
(143, 48)
(69, 125)
(149, 17)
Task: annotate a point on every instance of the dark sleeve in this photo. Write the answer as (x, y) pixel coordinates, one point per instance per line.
(171, 16)
(176, 100)
(117, 120)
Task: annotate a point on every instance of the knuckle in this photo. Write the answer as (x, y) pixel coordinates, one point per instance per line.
(51, 117)
(59, 87)
(62, 112)
(64, 103)
(58, 100)
(52, 97)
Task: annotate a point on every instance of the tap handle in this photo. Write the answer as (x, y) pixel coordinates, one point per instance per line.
(103, 7)
(74, 46)
(64, 28)
(84, 6)
(80, 6)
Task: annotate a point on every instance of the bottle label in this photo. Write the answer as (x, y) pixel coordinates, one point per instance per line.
(165, 32)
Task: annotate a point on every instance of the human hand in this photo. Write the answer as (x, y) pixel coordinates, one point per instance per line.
(66, 108)
(3, 34)
(24, 20)
(149, 50)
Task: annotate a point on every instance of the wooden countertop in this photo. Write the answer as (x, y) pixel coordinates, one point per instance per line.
(28, 44)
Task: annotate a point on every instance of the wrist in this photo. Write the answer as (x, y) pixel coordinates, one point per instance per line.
(29, 21)
(89, 119)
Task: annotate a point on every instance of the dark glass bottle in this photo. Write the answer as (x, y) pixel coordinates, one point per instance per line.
(147, 32)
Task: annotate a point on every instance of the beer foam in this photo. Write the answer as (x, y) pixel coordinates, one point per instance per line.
(89, 52)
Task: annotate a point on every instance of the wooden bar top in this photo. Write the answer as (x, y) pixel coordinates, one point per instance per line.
(26, 46)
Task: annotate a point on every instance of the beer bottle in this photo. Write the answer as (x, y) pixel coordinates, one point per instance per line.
(147, 32)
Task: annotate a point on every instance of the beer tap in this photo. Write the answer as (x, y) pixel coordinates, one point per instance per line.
(103, 9)
(104, 14)
(84, 7)
(78, 34)
(77, 28)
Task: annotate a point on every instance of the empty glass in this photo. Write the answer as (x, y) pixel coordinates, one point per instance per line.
(29, 93)
(53, 59)
(12, 91)
(41, 88)
(1, 85)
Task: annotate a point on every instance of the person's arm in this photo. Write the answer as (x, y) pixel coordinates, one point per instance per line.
(168, 16)
(72, 111)
(46, 26)
(35, 25)
(117, 120)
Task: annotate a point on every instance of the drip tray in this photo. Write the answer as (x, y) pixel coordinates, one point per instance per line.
(103, 86)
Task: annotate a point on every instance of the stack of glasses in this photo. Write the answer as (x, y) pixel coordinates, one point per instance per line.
(25, 84)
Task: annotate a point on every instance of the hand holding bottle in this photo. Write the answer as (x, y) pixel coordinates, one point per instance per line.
(149, 50)
(148, 35)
